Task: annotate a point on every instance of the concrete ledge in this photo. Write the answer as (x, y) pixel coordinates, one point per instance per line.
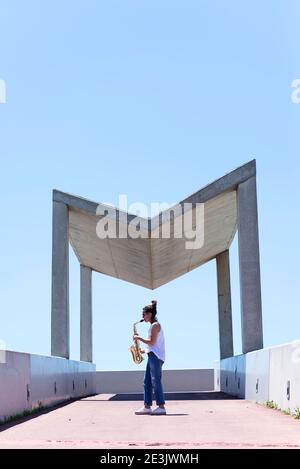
(118, 382)
(30, 381)
(270, 374)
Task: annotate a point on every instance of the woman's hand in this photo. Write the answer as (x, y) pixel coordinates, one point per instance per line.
(137, 337)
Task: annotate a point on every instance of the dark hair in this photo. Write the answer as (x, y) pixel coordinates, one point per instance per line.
(151, 309)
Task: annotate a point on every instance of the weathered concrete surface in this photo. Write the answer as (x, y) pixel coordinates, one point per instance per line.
(100, 423)
(188, 380)
(28, 381)
(156, 261)
(86, 315)
(250, 284)
(60, 327)
(152, 261)
(269, 374)
(224, 305)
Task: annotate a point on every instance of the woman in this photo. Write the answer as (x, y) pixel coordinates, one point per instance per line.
(155, 348)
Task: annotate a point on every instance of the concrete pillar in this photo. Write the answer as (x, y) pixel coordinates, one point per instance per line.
(250, 286)
(60, 281)
(86, 320)
(224, 303)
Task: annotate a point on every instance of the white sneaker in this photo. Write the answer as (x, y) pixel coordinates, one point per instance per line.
(159, 411)
(143, 411)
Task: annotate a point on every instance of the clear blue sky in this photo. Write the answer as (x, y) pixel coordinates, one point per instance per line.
(152, 99)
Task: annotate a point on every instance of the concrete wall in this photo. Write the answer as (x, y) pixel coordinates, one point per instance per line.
(284, 374)
(118, 382)
(14, 382)
(29, 381)
(258, 375)
(232, 375)
(270, 374)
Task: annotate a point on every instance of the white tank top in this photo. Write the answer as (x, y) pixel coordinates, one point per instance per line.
(159, 347)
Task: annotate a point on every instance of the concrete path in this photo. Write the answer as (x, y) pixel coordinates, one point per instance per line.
(211, 421)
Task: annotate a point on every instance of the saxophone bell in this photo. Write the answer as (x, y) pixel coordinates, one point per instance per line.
(135, 349)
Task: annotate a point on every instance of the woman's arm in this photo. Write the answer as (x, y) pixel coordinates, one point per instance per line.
(151, 341)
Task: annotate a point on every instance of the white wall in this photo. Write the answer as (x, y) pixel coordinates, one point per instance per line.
(284, 367)
(267, 374)
(27, 381)
(118, 382)
(232, 375)
(258, 375)
(14, 382)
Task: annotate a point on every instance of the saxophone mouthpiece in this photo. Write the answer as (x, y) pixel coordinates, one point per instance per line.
(142, 320)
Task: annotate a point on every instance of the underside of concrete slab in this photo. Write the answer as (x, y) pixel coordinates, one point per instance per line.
(150, 260)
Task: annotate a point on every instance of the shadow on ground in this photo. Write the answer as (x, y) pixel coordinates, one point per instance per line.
(170, 396)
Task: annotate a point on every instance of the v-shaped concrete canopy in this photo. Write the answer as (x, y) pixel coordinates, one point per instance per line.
(146, 257)
(152, 261)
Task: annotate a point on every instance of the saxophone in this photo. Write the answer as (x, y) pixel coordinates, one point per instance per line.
(135, 349)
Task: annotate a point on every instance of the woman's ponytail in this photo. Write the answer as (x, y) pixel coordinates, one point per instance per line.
(151, 309)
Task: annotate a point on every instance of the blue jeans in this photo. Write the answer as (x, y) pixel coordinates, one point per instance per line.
(152, 380)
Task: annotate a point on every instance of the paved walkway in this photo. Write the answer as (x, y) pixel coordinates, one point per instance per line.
(206, 421)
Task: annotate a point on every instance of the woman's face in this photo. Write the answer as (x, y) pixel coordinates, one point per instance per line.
(147, 316)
